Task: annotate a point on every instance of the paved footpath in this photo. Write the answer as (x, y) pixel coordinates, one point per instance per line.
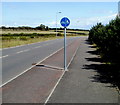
(78, 84)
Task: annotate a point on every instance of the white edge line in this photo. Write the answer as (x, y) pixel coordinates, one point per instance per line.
(4, 56)
(23, 51)
(30, 67)
(54, 88)
(73, 56)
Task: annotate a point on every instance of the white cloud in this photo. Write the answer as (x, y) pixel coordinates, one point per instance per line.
(84, 23)
(52, 24)
(88, 22)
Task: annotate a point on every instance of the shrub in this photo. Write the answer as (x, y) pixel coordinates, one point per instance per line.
(107, 38)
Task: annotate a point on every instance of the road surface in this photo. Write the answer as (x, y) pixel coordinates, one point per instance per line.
(35, 85)
(17, 59)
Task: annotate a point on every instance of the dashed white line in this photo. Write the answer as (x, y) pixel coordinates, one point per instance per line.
(4, 56)
(32, 48)
(23, 51)
(19, 52)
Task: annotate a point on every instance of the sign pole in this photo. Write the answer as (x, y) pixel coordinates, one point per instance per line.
(65, 68)
(65, 22)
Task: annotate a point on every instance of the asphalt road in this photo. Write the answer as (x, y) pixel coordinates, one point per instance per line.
(17, 59)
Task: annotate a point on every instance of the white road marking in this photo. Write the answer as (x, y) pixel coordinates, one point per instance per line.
(72, 57)
(23, 51)
(19, 52)
(54, 88)
(4, 56)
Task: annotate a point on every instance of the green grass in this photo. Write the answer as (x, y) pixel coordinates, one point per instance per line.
(12, 38)
(26, 31)
(6, 31)
(16, 42)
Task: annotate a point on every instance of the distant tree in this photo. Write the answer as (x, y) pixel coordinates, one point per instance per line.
(41, 27)
(3, 27)
(47, 28)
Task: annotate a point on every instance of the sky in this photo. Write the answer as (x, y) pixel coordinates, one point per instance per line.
(82, 15)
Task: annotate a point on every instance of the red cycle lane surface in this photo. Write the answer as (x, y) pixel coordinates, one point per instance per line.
(35, 85)
(57, 59)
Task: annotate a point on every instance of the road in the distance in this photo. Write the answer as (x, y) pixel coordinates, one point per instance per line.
(17, 59)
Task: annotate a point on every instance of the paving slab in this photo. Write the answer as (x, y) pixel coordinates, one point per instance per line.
(78, 85)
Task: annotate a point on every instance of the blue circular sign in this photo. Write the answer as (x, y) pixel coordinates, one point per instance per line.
(65, 22)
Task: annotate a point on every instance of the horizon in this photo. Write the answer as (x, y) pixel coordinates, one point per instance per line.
(82, 15)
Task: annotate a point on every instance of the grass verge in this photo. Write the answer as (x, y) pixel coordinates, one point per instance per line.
(12, 38)
(17, 42)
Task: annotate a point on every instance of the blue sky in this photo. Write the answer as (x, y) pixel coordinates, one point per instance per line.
(83, 15)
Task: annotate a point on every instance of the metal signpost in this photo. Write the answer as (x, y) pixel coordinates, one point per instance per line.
(65, 22)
